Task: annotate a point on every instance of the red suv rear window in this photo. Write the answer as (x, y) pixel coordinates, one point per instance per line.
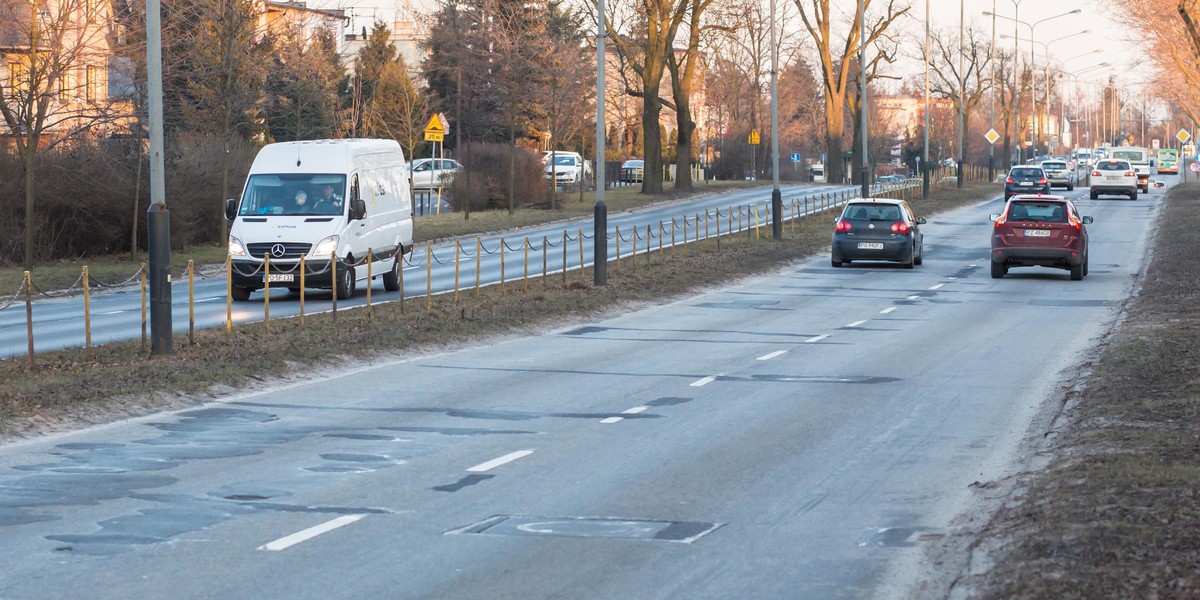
(1042, 212)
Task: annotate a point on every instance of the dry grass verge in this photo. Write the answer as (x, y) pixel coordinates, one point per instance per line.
(66, 391)
(1117, 512)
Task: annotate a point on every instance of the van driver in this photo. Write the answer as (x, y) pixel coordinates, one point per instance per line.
(327, 202)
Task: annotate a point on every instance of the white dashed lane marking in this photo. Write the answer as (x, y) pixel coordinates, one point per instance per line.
(705, 381)
(496, 462)
(914, 297)
(635, 410)
(937, 287)
(815, 339)
(887, 310)
(772, 355)
(284, 543)
(856, 324)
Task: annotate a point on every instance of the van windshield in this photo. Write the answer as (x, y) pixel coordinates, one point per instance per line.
(294, 194)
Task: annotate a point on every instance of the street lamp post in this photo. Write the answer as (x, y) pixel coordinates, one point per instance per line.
(1039, 123)
(776, 196)
(925, 157)
(992, 116)
(158, 223)
(600, 210)
(961, 96)
(862, 97)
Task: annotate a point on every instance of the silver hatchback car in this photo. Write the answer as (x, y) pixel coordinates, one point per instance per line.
(1059, 173)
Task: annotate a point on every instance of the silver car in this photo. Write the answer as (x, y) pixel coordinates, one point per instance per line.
(1060, 173)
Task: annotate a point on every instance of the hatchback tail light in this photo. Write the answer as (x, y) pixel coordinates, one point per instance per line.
(1009, 180)
(900, 227)
(1097, 174)
(843, 226)
(1042, 181)
(1130, 173)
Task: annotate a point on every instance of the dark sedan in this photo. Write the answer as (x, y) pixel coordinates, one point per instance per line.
(878, 229)
(1026, 180)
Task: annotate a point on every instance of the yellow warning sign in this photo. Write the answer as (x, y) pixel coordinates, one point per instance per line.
(754, 139)
(433, 137)
(434, 127)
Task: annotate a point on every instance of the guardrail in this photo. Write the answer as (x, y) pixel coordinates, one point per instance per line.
(717, 224)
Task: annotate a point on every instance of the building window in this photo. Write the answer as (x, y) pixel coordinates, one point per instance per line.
(89, 8)
(92, 83)
(64, 86)
(18, 77)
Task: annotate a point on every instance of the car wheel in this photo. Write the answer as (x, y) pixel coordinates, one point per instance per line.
(1094, 195)
(240, 294)
(835, 262)
(1133, 195)
(920, 258)
(1077, 272)
(1085, 265)
(391, 279)
(912, 258)
(998, 270)
(345, 283)
(1070, 188)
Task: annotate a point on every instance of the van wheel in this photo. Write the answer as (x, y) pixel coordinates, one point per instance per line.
(240, 294)
(391, 279)
(345, 283)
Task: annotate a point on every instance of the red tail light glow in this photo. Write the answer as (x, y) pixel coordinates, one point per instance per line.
(900, 227)
(1097, 174)
(1130, 173)
(1009, 180)
(843, 226)
(1042, 181)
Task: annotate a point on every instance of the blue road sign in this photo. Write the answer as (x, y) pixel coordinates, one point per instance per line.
(795, 157)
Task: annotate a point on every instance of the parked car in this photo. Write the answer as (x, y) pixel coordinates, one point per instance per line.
(1059, 172)
(1025, 179)
(878, 229)
(1112, 176)
(432, 173)
(569, 167)
(631, 171)
(890, 179)
(1045, 231)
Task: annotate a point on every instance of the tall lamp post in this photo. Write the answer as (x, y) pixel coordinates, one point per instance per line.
(776, 196)
(925, 156)
(158, 222)
(962, 96)
(600, 210)
(862, 95)
(992, 116)
(1039, 123)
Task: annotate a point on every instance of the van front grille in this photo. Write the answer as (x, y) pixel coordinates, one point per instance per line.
(293, 250)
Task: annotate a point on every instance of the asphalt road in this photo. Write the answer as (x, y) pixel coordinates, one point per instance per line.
(799, 435)
(59, 323)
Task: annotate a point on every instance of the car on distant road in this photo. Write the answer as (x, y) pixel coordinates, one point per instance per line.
(1160, 184)
(890, 179)
(1059, 172)
(1112, 176)
(878, 229)
(1040, 231)
(432, 173)
(1025, 179)
(631, 171)
(569, 168)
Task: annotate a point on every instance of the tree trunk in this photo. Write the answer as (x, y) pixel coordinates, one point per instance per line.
(458, 147)
(512, 166)
(137, 202)
(222, 230)
(652, 175)
(683, 146)
(29, 151)
(834, 128)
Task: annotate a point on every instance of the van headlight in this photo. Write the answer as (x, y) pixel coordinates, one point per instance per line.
(325, 247)
(235, 247)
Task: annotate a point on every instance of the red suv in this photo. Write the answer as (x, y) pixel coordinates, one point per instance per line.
(1044, 231)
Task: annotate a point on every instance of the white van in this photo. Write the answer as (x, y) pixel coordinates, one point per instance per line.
(293, 206)
(817, 173)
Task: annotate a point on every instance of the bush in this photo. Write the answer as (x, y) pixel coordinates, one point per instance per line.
(85, 196)
(488, 168)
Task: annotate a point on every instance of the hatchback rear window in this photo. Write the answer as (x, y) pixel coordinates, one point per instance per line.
(1029, 172)
(1056, 165)
(1044, 212)
(873, 212)
(1117, 165)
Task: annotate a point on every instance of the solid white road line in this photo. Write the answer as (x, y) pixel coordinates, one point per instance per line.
(635, 410)
(612, 420)
(772, 355)
(856, 324)
(815, 339)
(496, 462)
(887, 310)
(705, 381)
(284, 543)
(937, 287)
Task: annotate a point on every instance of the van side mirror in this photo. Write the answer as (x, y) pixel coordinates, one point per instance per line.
(230, 209)
(1087, 220)
(358, 209)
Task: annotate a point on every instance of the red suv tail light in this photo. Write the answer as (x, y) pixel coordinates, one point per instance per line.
(900, 227)
(843, 226)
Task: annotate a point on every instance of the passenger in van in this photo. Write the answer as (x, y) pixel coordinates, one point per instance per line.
(327, 203)
(301, 203)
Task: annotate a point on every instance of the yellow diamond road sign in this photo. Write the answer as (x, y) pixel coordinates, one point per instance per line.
(991, 136)
(1183, 136)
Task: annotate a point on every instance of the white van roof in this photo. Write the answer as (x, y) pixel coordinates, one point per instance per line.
(325, 156)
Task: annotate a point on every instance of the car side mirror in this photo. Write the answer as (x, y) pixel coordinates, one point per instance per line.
(1087, 220)
(921, 221)
(358, 209)
(230, 209)
(994, 216)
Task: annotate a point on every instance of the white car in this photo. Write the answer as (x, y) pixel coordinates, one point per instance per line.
(432, 173)
(1113, 176)
(568, 168)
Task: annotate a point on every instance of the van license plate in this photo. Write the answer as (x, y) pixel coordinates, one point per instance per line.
(1037, 233)
(281, 277)
(870, 245)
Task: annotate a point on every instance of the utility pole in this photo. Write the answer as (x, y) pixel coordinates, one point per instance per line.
(600, 210)
(776, 195)
(925, 157)
(862, 97)
(158, 221)
(962, 95)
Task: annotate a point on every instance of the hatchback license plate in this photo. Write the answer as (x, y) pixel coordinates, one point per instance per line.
(281, 277)
(870, 245)
(1037, 233)
(1026, 183)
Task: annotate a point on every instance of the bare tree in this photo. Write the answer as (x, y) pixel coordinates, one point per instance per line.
(835, 54)
(972, 83)
(55, 56)
(397, 110)
(569, 77)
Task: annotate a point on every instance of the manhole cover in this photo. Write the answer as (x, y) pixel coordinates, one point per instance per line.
(683, 532)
